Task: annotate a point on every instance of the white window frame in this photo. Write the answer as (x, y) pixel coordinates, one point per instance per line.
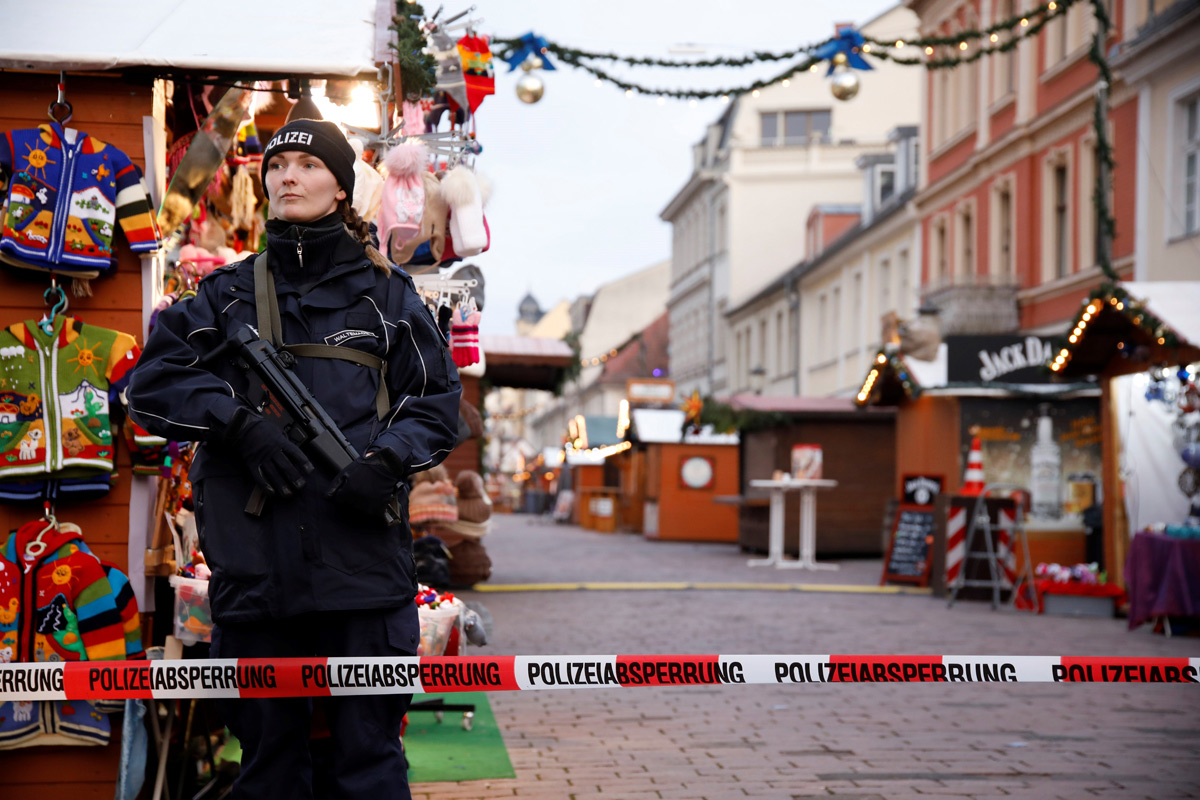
(1005, 65)
(780, 343)
(1004, 274)
(884, 279)
(1176, 219)
(878, 181)
(822, 325)
(1062, 156)
(965, 267)
(781, 137)
(941, 264)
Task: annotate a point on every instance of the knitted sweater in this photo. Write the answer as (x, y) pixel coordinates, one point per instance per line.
(66, 193)
(56, 391)
(58, 602)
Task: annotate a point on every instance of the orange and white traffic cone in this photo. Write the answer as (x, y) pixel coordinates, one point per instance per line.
(973, 480)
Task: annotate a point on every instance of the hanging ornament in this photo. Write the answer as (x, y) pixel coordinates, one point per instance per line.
(839, 59)
(530, 88)
(530, 45)
(844, 85)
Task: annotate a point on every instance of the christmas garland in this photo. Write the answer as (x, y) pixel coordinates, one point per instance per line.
(1020, 26)
(418, 68)
(572, 55)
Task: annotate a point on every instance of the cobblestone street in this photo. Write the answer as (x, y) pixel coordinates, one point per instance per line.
(799, 741)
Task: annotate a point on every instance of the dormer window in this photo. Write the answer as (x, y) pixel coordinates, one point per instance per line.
(885, 183)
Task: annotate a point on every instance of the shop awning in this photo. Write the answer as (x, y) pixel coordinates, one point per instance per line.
(525, 362)
(663, 426)
(309, 37)
(799, 406)
(1138, 322)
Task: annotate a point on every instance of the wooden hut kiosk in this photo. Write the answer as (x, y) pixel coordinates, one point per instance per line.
(670, 479)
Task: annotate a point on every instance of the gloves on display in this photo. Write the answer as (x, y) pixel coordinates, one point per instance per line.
(275, 462)
(367, 485)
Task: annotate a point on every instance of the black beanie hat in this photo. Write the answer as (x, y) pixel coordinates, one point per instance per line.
(317, 137)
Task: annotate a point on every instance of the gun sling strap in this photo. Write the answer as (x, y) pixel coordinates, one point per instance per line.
(270, 328)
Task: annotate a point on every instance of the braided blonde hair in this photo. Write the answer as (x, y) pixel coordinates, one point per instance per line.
(357, 227)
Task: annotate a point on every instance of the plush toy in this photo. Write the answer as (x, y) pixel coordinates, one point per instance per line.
(466, 195)
(403, 206)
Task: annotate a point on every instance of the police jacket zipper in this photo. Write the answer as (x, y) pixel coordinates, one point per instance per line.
(300, 247)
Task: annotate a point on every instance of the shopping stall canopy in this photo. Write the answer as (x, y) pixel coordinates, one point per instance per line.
(309, 37)
(525, 362)
(1113, 340)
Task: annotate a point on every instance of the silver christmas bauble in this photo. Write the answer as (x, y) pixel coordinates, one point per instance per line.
(530, 88)
(844, 85)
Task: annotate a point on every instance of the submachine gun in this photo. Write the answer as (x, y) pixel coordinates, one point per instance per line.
(285, 401)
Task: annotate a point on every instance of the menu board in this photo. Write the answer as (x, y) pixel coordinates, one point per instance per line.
(909, 546)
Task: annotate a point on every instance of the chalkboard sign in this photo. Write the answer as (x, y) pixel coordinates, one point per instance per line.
(908, 555)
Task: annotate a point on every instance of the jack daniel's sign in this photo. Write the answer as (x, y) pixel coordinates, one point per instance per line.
(1001, 359)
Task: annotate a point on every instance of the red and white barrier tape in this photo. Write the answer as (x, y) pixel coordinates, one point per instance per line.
(313, 677)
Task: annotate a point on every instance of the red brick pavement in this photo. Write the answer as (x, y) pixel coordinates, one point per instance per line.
(870, 742)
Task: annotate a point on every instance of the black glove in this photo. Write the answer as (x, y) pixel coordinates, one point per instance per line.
(275, 462)
(366, 485)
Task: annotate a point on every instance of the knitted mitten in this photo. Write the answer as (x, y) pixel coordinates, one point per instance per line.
(464, 337)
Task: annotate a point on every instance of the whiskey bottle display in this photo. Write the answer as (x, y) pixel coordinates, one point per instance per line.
(1045, 473)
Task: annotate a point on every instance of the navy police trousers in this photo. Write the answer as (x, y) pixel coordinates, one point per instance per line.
(362, 757)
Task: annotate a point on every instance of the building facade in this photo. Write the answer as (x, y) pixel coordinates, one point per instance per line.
(1009, 168)
(737, 223)
(609, 321)
(813, 331)
(1158, 61)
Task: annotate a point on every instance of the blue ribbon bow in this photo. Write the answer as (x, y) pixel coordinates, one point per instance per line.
(849, 41)
(531, 45)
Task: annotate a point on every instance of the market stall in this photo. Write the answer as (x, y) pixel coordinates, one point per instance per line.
(1141, 342)
(132, 102)
(1033, 433)
(858, 450)
(677, 475)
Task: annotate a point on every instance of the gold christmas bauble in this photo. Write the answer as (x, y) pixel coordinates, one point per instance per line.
(530, 88)
(839, 59)
(844, 85)
(532, 63)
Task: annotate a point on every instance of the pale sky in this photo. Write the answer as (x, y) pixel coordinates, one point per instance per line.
(581, 176)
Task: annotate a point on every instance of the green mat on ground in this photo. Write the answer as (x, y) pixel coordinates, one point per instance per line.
(443, 751)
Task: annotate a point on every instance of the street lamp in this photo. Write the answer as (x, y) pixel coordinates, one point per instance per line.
(758, 379)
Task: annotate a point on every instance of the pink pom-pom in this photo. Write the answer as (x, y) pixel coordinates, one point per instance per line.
(406, 159)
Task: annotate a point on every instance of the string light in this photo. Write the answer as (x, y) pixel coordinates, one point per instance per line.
(1113, 298)
(890, 363)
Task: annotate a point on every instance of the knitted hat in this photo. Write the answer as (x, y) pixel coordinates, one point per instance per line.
(473, 503)
(429, 502)
(316, 137)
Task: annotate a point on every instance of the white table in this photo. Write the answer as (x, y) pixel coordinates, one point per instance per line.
(808, 523)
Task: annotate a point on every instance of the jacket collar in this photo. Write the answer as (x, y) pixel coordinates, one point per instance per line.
(339, 287)
(65, 330)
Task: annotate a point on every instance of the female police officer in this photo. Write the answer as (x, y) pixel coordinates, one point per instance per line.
(318, 572)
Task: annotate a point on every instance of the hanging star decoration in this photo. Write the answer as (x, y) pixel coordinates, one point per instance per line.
(528, 45)
(847, 43)
(692, 408)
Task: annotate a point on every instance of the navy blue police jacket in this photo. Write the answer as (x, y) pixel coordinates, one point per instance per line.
(302, 554)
